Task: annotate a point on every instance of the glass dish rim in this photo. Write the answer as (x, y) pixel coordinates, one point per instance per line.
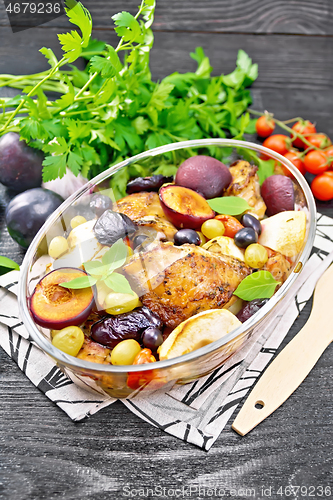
(76, 363)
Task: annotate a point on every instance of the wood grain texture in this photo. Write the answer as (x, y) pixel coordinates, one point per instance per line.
(294, 76)
(45, 455)
(220, 16)
(289, 369)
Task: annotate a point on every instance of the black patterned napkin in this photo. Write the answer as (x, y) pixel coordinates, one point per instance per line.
(195, 412)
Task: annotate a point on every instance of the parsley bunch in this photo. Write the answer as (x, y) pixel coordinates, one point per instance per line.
(113, 110)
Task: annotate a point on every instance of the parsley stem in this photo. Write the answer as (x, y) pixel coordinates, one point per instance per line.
(32, 91)
(86, 85)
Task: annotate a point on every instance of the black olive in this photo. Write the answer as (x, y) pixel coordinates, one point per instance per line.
(245, 237)
(249, 220)
(139, 239)
(250, 309)
(152, 338)
(111, 226)
(152, 183)
(99, 203)
(186, 236)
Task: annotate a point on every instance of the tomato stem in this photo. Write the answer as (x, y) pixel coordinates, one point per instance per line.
(282, 124)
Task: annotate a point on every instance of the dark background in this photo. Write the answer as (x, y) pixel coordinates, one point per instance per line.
(45, 455)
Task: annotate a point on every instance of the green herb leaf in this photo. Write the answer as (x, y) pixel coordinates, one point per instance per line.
(258, 285)
(229, 205)
(7, 265)
(148, 12)
(116, 256)
(96, 268)
(266, 169)
(78, 283)
(112, 108)
(118, 283)
(127, 27)
(50, 56)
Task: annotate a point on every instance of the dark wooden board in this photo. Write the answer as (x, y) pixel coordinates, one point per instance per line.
(220, 16)
(295, 78)
(45, 455)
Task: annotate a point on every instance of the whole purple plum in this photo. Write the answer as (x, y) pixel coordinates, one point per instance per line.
(278, 194)
(20, 165)
(204, 174)
(27, 212)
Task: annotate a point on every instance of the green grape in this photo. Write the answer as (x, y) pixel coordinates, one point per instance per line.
(203, 239)
(77, 221)
(118, 303)
(212, 228)
(57, 247)
(125, 352)
(256, 255)
(69, 340)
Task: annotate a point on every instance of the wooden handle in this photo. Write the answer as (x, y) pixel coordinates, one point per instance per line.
(294, 362)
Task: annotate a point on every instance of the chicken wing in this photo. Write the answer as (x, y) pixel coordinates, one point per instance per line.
(245, 184)
(145, 209)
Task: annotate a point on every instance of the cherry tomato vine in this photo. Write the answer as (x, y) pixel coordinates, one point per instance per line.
(310, 151)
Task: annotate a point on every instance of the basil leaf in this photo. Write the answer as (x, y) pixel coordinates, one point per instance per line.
(116, 256)
(229, 205)
(77, 283)
(258, 285)
(96, 268)
(7, 265)
(118, 283)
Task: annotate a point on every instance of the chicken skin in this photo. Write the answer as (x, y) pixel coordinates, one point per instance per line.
(145, 210)
(245, 184)
(178, 282)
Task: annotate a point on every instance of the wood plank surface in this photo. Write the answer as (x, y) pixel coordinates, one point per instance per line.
(220, 16)
(43, 455)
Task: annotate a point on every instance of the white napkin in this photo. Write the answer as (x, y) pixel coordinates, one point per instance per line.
(195, 412)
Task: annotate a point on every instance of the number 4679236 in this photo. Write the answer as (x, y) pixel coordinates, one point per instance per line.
(33, 8)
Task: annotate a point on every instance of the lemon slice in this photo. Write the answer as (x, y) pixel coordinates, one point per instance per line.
(284, 232)
(198, 331)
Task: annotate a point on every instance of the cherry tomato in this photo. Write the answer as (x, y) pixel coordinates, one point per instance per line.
(315, 162)
(137, 379)
(278, 142)
(329, 152)
(295, 159)
(319, 140)
(231, 224)
(322, 186)
(264, 126)
(305, 128)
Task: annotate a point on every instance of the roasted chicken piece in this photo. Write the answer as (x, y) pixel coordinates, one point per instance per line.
(145, 209)
(94, 352)
(245, 184)
(178, 282)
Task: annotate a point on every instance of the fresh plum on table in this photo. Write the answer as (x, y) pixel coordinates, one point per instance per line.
(20, 165)
(27, 212)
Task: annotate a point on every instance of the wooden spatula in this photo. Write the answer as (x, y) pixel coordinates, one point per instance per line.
(294, 362)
